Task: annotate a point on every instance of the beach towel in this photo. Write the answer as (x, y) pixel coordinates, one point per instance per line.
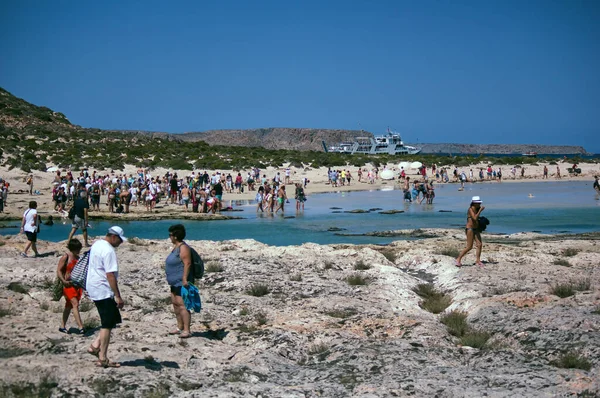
(191, 298)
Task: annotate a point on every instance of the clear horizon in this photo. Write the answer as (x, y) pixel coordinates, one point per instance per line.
(475, 72)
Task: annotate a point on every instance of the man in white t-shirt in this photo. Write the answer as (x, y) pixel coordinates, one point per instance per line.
(102, 287)
(29, 226)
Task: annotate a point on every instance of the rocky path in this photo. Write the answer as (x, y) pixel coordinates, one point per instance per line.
(313, 333)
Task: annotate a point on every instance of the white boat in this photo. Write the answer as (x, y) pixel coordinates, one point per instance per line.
(390, 144)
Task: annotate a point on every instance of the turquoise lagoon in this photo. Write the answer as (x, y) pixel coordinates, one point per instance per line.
(552, 207)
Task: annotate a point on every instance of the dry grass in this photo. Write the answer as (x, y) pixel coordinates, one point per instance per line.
(456, 322)
(450, 252)
(357, 280)
(258, 290)
(572, 360)
(361, 266)
(297, 277)
(562, 262)
(434, 301)
(214, 266)
(475, 338)
(568, 289)
(18, 287)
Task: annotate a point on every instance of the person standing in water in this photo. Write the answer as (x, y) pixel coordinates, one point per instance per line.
(472, 232)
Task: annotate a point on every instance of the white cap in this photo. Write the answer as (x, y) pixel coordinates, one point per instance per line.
(118, 231)
(475, 199)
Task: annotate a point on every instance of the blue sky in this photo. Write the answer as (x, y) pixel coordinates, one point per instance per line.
(492, 71)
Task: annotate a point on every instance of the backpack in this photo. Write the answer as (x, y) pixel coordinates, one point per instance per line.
(483, 223)
(80, 270)
(197, 264)
(72, 213)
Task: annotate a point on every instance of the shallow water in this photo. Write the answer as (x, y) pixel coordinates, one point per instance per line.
(547, 207)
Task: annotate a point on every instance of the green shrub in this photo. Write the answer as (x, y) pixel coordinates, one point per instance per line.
(5, 312)
(450, 252)
(85, 306)
(297, 277)
(357, 280)
(562, 262)
(260, 318)
(258, 290)
(570, 252)
(563, 290)
(568, 289)
(572, 360)
(433, 301)
(361, 266)
(214, 266)
(475, 338)
(91, 323)
(318, 349)
(456, 322)
(389, 254)
(17, 287)
(342, 313)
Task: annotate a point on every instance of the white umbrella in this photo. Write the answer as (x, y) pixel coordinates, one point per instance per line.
(403, 165)
(52, 169)
(415, 165)
(387, 175)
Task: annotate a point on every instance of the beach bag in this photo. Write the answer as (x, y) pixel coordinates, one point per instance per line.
(483, 223)
(80, 270)
(39, 224)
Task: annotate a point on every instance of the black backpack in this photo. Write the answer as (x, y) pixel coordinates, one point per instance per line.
(197, 264)
(483, 223)
(72, 213)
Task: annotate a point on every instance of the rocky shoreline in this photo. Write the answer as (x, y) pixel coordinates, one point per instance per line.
(336, 321)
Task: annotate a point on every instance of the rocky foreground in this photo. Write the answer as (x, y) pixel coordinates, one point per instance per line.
(312, 333)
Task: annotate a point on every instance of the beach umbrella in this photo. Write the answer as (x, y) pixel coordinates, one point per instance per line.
(403, 165)
(415, 165)
(387, 175)
(52, 169)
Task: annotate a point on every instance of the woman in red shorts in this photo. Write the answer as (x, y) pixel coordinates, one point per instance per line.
(72, 294)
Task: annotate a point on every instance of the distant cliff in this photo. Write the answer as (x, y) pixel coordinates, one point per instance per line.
(304, 139)
(455, 149)
(300, 139)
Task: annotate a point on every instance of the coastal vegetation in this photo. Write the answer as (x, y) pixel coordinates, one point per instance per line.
(33, 138)
(433, 301)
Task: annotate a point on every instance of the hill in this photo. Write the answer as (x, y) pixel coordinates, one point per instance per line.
(36, 137)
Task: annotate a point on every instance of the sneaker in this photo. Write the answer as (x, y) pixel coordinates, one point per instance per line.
(23, 254)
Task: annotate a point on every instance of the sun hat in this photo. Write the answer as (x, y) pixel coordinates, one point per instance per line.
(117, 231)
(475, 199)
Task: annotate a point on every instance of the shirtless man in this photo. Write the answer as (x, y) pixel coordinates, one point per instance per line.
(281, 198)
(406, 190)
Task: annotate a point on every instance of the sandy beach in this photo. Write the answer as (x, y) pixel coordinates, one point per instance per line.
(18, 197)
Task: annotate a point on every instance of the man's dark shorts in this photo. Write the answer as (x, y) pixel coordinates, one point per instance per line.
(31, 236)
(109, 313)
(176, 290)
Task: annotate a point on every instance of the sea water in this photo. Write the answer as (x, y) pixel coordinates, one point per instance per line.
(551, 207)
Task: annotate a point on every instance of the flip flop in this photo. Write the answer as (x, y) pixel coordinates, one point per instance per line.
(457, 264)
(176, 331)
(185, 335)
(479, 264)
(107, 364)
(94, 351)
